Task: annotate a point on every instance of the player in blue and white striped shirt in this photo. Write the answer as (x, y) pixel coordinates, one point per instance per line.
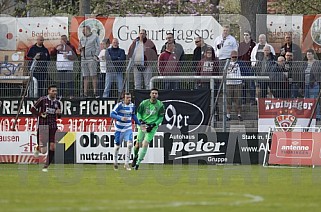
(123, 113)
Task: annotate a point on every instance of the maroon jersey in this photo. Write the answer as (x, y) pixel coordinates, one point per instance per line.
(48, 106)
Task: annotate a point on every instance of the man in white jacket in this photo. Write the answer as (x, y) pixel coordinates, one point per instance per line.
(257, 52)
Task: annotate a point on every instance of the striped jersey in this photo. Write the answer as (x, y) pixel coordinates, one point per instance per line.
(49, 106)
(122, 110)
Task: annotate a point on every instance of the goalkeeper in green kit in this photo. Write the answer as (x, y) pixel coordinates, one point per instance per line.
(150, 113)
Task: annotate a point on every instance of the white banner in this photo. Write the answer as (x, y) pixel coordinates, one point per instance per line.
(16, 143)
(51, 28)
(184, 28)
(99, 148)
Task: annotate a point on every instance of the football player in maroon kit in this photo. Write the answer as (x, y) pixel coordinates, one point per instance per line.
(47, 109)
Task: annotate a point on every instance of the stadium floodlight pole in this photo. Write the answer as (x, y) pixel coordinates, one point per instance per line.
(24, 93)
(124, 88)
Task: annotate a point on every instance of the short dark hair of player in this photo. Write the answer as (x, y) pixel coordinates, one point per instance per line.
(153, 89)
(127, 94)
(52, 86)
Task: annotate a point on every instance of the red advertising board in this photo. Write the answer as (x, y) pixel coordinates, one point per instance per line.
(65, 124)
(295, 148)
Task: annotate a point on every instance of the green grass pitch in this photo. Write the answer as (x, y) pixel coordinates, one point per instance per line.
(159, 188)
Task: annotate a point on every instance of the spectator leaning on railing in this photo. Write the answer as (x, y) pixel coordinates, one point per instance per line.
(41, 54)
(66, 55)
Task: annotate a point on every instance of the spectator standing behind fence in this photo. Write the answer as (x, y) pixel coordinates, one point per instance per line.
(41, 54)
(244, 51)
(66, 55)
(168, 66)
(199, 51)
(143, 52)
(257, 52)
(115, 61)
(89, 48)
(208, 66)
(225, 44)
(234, 87)
(311, 70)
(179, 51)
(102, 58)
(265, 68)
(289, 46)
(294, 74)
(279, 85)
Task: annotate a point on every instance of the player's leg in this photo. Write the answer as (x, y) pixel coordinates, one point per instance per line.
(118, 139)
(142, 151)
(138, 144)
(52, 148)
(42, 140)
(128, 137)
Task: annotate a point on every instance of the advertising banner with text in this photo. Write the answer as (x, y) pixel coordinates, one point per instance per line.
(77, 115)
(296, 148)
(285, 113)
(126, 29)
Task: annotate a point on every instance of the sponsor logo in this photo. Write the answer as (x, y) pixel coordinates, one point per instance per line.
(196, 149)
(176, 115)
(285, 122)
(294, 148)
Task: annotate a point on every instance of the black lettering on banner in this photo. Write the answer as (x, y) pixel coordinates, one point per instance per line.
(73, 108)
(94, 140)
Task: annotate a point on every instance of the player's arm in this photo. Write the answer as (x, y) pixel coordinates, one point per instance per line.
(35, 109)
(140, 111)
(114, 113)
(135, 117)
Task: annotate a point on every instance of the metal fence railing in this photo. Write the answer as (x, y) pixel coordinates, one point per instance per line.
(288, 80)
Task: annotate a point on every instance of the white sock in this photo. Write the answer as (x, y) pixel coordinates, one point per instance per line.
(228, 115)
(116, 154)
(129, 151)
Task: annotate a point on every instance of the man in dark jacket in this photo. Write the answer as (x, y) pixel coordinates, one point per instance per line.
(144, 55)
(265, 68)
(289, 46)
(115, 63)
(41, 54)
